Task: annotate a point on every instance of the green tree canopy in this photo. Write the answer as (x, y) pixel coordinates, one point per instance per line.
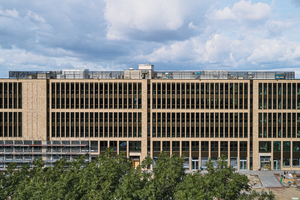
(221, 182)
(113, 177)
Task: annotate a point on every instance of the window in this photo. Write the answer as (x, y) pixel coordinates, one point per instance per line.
(264, 147)
(94, 146)
(286, 154)
(122, 146)
(103, 145)
(296, 154)
(113, 145)
(195, 146)
(276, 146)
(175, 146)
(135, 146)
(214, 146)
(156, 145)
(185, 145)
(166, 146)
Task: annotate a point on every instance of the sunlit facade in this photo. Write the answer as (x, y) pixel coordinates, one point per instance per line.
(251, 118)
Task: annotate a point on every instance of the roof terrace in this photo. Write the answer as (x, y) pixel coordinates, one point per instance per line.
(147, 72)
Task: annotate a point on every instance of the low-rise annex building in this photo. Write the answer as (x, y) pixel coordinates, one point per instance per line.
(251, 117)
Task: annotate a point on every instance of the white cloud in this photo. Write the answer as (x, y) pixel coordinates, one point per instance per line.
(174, 34)
(9, 13)
(22, 57)
(222, 51)
(275, 28)
(216, 49)
(126, 16)
(243, 11)
(18, 60)
(35, 17)
(191, 25)
(225, 14)
(175, 51)
(272, 50)
(296, 53)
(141, 15)
(248, 11)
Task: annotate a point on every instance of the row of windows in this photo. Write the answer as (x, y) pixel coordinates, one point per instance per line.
(22, 160)
(19, 158)
(54, 146)
(68, 146)
(96, 95)
(278, 146)
(134, 146)
(27, 159)
(10, 95)
(200, 88)
(199, 103)
(279, 103)
(90, 117)
(93, 124)
(194, 146)
(279, 125)
(212, 147)
(212, 96)
(10, 124)
(233, 125)
(96, 88)
(62, 151)
(279, 95)
(283, 148)
(96, 103)
(20, 142)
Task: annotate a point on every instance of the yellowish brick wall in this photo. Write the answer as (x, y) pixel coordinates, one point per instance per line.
(34, 110)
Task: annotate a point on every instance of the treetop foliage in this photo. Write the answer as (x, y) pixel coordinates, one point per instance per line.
(113, 177)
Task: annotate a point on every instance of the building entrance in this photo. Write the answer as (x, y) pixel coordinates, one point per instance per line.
(265, 162)
(135, 161)
(276, 164)
(195, 164)
(243, 164)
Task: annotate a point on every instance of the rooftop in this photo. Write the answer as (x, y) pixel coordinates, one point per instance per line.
(146, 71)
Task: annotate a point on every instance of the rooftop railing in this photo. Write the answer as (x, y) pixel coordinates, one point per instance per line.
(210, 74)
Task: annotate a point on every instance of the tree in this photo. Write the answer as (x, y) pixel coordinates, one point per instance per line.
(101, 178)
(75, 180)
(161, 183)
(10, 181)
(191, 188)
(113, 177)
(221, 182)
(132, 184)
(167, 174)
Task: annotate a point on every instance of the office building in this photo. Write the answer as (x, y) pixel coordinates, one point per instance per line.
(250, 117)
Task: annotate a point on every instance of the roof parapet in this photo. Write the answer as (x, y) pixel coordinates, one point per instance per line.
(146, 71)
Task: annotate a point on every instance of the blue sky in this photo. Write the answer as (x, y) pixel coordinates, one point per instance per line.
(171, 34)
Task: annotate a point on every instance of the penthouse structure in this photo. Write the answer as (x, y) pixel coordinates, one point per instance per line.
(253, 118)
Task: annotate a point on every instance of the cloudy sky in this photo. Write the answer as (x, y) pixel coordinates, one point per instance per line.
(171, 34)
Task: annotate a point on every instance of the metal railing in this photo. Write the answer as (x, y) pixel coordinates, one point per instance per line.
(206, 74)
